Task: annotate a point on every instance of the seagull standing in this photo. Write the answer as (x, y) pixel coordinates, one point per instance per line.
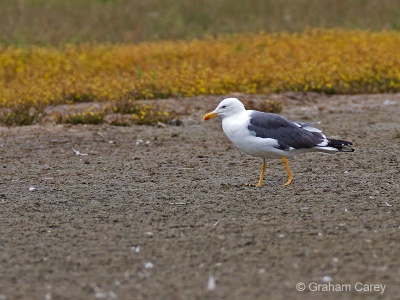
(272, 136)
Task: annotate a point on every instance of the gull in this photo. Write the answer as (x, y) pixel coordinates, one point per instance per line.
(271, 136)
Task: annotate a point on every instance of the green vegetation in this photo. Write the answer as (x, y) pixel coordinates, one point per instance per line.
(57, 22)
(88, 116)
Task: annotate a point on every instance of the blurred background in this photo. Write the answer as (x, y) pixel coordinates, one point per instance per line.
(55, 22)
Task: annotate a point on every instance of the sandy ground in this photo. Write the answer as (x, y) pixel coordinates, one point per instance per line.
(163, 218)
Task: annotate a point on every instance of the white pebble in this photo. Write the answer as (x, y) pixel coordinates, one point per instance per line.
(327, 278)
(135, 249)
(211, 285)
(149, 265)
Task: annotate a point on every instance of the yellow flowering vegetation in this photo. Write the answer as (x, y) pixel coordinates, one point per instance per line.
(85, 116)
(330, 61)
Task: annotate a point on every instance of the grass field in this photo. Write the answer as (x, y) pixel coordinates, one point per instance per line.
(66, 52)
(57, 22)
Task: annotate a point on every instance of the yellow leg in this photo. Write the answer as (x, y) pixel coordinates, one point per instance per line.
(264, 165)
(290, 175)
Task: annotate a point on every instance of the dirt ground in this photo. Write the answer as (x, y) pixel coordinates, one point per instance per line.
(163, 213)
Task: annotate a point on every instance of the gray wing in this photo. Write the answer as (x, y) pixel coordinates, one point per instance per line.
(288, 134)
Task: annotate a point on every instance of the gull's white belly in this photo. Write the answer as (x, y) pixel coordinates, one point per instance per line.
(237, 131)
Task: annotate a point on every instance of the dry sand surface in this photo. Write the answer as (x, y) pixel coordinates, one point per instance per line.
(171, 218)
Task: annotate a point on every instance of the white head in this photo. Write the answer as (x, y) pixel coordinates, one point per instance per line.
(226, 108)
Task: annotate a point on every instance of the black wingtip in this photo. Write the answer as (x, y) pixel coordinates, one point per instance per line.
(342, 146)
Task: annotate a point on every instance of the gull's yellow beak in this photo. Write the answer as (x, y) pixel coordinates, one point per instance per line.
(209, 116)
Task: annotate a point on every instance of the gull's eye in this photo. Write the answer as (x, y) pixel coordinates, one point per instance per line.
(223, 106)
